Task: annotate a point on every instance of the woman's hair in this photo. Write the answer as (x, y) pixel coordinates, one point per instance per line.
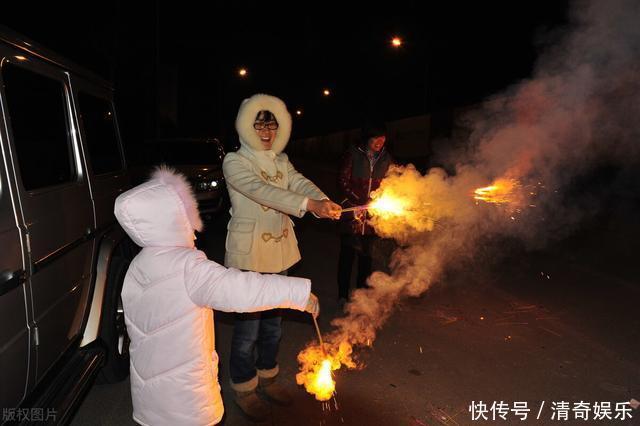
(266, 116)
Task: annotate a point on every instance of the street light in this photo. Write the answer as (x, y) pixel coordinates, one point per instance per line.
(326, 92)
(396, 42)
(242, 72)
(298, 112)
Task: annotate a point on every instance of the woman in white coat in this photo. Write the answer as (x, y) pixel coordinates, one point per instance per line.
(168, 293)
(265, 189)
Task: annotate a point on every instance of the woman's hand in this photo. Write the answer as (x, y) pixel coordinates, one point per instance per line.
(324, 208)
(313, 305)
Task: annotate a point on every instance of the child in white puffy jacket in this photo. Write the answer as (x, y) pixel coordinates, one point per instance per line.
(168, 295)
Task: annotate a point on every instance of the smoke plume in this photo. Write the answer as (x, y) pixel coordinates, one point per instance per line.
(579, 109)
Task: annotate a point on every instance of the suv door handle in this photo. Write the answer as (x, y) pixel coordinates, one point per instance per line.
(10, 280)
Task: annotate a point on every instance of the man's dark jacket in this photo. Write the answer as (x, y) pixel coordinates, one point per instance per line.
(359, 176)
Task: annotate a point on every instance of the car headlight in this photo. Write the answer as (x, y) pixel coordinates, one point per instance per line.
(208, 185)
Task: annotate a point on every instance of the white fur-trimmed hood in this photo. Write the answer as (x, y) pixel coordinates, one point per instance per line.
(179, 183)
(247, 113)
(161, 212)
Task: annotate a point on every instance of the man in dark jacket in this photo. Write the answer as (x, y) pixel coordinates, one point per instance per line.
(363, 168)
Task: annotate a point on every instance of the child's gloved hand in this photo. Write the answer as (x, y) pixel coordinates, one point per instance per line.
(313, 305)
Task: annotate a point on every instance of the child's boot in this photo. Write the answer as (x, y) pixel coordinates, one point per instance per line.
(271, 388)
(249, 402)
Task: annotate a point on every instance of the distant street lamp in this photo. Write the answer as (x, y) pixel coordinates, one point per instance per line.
(326, 92)
(298, 112)
(242, 72)
(396, 42)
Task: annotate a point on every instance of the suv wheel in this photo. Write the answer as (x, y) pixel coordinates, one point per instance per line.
(114, 331)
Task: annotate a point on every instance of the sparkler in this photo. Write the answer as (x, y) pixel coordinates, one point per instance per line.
(315, 322)
(317, 364)
(502, 191)
(317, 372)
(510, 195)
(386, 204)
(356, 208)
(316, 375)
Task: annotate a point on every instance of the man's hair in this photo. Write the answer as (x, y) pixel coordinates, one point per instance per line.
(266, 116)
(372, 129)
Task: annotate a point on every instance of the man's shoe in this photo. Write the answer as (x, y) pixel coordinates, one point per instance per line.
(274, 391)
(252, 406)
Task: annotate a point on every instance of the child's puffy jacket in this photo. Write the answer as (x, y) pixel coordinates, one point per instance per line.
(168, 295)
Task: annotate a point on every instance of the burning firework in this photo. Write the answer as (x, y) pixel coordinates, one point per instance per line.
(509, 193)
(317, 366)
(387, 205)
(502, 191)
(400, 204)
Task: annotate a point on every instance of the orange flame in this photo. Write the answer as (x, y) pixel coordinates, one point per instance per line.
(316, 369)
(401, 207)
(324, 381)
(388, 205)
(502, 191)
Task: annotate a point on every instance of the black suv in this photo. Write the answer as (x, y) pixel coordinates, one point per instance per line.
(199, 159)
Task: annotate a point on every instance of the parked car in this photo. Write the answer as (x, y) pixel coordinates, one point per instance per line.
(199, 159)
(63, 256)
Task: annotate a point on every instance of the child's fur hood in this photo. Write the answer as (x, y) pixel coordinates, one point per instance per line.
(161, 212)
(179, 183)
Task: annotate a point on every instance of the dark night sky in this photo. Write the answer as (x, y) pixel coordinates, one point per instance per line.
(175, 66)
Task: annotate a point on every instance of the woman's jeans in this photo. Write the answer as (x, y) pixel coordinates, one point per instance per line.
(251, 331)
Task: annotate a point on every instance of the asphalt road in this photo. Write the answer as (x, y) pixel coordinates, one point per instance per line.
(559, 325)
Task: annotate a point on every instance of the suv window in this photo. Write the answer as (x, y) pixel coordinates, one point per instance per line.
(40, 124)
(100, 132)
